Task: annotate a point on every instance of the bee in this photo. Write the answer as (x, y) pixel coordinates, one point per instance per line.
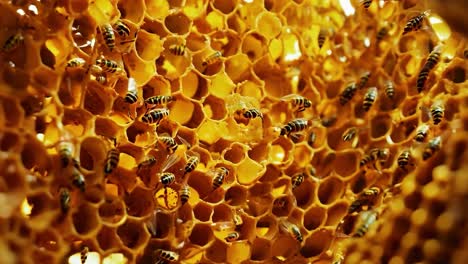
(13, 42)
(101, 78)
(169, 143)
(184, 194)
(389, 89)
(374, 155)
(404, 159)
(430, 63)
(415, 23)
(291, 229)
(132, 93)
(84, 254)
(322, 36)
(364, 79)
(237, 219)
(348, 93)
(432, 146)
(155, 115)
(231, 237)
(297, 179)
(328, 121)
(295, 125)
(369, 98)
(150, 161)
(297, 101)
(65, 151)
(108, 35)
(365, 198)
(383, 31)
(167, 178)
(159, 99)
(220, 174)
(177, 49)
(64, 194)
(367, 219)
(437, 111)
(78, 179)
(192, 163)
(312, 138)
(76, 62)
(421, 133)
(211, 59)
(252, 113)
(112, 160)
(366, 3)
(349, 134)
(108, 65)
(170, 161)
(166, 255)
(122, 29)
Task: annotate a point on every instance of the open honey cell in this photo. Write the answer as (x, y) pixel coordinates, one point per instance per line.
(214, 108)
(47, 240)
(132, 11)
(132, 234)
(317, 242)
(201, 235)
(92, 153)
(13, 111)
(346, 163)
(330, 189)
(112, 211)
(266, 227)
(86, 219)
(314, 217)
(83, 32)
(305, 194)
(162, 223)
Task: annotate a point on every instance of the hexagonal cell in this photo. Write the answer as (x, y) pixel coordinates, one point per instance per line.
(132, 234)
(85, 219)
(402, 130)
(10, 141)
(380, 126)
(112, 211)
(201, 234)
(83, 32)
(330, 189)
(48, 240)
(34, 155)
(96, 100)
(13, 110)
(269, 25)
(323, 162)
(178, 23)
(108, 238)
(77, 121)
(214, 108)
(317, 243)
(43, 256)
(314, 217)
(336, 212)
(132, 10)
(203, 211)
(236, 195)
(238, 67)
(92, 153)
(346, 162)
(254, 46)
(142, 69)
(261, 249)
(282, 205)
(228, 42)
(194, 86)
(222, 213)
(305, 194)
(163, 224)
(266, 227)
(217, 252)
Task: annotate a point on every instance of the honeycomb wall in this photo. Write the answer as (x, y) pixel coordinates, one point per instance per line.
(135, 131)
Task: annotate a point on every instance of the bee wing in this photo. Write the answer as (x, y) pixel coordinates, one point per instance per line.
(185, 142)
(289, 97)
(152, 222)
(223, 226)
(170, 161)
(132, 86)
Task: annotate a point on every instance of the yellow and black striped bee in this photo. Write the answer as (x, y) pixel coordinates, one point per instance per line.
(367, 197)
(311, 139)
(389, 89)
(112, 160)
(349, 134)
(76, 62)
(132, 94)
(421, 133)
(108, 35)
(297, 179)
(155, 115)
(101, 78)
(322, 36)
(64, 195)
(65, 151)
(348, 93)
(295, 125)
(383, 31)
(430, 63)
(177, 49)
(169, 143)
(367, 219)
(108, 65)
(375, 154)
(437, 111)
(404, 159)
(159, 99)
(184, 194)
(220, 175)
(150, 161)
(192, 163)
(211, 59)
(369, 98)
(84, 254)
(252, 113)
(432, 147)
(122, 29)
(166, 255)
(364, 79)
(415, 23)
(78, 179)
(167, 178)
(13, 42)
(291, 229)
(231, 237)
(297, 101)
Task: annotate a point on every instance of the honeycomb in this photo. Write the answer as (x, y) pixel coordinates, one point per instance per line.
(233, 131)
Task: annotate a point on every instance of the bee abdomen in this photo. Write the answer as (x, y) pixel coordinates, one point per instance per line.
(112, 160)
(155, 115)
(131, 97)
(252, 113)
(348, 93)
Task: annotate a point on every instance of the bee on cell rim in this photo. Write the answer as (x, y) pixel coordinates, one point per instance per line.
(177, 49)
(150, 161)
(437, 112)
(112, 160)
(368, 218)
(432, 147)
(299, 102)
(348, 93)
(108, 35)
(167, 178)
(64, 195)
(159, 99)
(13, 42)
(169, 143)
(421, 133)
(389, 89)
(166, 255)
(322, 36)
(122, 29)
(155, 115)
(415, 23)
(184, 194)
(75, 62)
(295, 125)
(297, 179)
(108, 65)
(231, 237)
(84, 254)
(220, 175)
(375, 154)
(430, 63)
(252, 113)
(404, 159)
(292, 230)
(211, 59)
(369, 98)
(364, 79)
(192, 163)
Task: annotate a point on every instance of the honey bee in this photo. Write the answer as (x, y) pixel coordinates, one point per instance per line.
(375, 154)
(383, 31)
(65, 151)
(84, 254)
(169, 143)
(220, 174)
(184, 194)
(349, 134)
(297, 101)
(348, 93)
(404, 159)
(101, 78)
(328, 121)
(13, 42)
(432, 146)
(78, 179)
(295, 125)
(367, 219)
(108, 35)
(155, 115)
(415, 23)
(76, 63)
(421, 133)
(150, 161)
(177, 49)
(211, 59)
(192, 163)
(112, 159)
(159, 99)
(365, 198)
(166, 255)
(108, 65)
(231, 237)
(364, 79)
(237, 219)
(252, 113)
(430, 63)
(297, 179)
(122, 29)
(322, 36)
(369, 98)
(311, 139)
(389, 89)
(291, 229)
(64, 195)
(132, 93)
(437, 111)
(167, 178)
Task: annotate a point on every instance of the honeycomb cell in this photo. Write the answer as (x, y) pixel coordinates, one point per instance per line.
(304, 194)
(178, 23)
(261, 249)
(214, 108)
(13, 111)
(217, 252)
(202, 211)
(269, 25)
(380, 126)
(132, 234)
(83, 32)
(112, 212)
(140, 69)
(266, 227)
(314, 217)
(34, 155)
(201, 235)
(346, 163)
(329, 190)
(133, 11)
(10, 141)
(236, 195)
(86, 220)
(317, 243)
(253, 45)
